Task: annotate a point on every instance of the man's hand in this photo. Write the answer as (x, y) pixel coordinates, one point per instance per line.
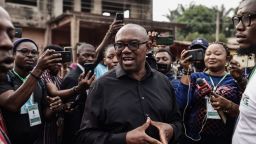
(165, 131)
(219, 102)
(235, 69)
(152, 37)
(85, 81)
(55, 103)
(48, 58)
(115, 26)
(139, 136)
(184, 59)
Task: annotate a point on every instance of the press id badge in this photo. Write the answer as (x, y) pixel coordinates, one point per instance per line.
(34, 115)
(211, 112)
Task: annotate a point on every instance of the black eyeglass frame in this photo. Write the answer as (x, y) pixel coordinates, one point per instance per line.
(240, 18)
(34, 53)
(128, 45)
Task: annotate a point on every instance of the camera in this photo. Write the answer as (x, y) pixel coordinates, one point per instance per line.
(66, 56)
(197, 54)
(120, 16)
(164, 40)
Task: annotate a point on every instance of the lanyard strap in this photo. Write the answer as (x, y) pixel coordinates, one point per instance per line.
(215, 87)
(21, 78)
(30, 100)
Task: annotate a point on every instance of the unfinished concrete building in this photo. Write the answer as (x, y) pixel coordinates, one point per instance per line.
(67, 22)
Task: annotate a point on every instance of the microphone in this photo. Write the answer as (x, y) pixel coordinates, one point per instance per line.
(204, 89)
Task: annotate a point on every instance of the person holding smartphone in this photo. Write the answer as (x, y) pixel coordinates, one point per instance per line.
(199, 43)
(108, 39)
(77, 81)
(202, 122)
(23, 95)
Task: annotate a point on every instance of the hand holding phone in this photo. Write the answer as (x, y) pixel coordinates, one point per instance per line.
(119, 17)
(66, 56)
(89, 67)
(196, 54)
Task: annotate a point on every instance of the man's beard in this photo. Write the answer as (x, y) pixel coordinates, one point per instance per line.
(247, 51)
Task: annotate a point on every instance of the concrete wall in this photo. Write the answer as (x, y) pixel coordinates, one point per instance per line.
(61, 37)
(141, 10)
(35, 34)
(26, 16)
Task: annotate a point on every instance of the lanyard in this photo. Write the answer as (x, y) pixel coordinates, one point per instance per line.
(21, 78)
(30, 100)
(215, 87)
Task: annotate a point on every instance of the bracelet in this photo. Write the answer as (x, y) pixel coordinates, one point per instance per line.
(186, 71)
(34, 76)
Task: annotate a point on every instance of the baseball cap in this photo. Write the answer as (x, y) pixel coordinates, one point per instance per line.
(199, 43)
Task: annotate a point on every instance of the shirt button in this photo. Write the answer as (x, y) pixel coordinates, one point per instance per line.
(142, 98)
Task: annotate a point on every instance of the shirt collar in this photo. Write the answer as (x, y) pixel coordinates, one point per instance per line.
(81, 67)
(120, 72)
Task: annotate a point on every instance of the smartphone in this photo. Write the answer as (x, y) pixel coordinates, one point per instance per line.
(69, 49)
(65, 55)
(89, 67)
(245, 61)
(18, 33)
(197, 54)
(120, 16)
(164, 40)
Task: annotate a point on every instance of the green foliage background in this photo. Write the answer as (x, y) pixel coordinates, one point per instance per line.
(201, 22)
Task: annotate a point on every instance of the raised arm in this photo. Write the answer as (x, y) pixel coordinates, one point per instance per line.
(14, 99)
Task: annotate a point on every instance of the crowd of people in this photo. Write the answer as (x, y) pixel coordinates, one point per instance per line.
(128, 90)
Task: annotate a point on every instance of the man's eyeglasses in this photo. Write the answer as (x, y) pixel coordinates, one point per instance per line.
(132, 45)
(26, 52)
(246, 19)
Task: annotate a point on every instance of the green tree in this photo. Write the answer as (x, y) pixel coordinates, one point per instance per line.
(174, 14)
(198, 19)
(201, 22)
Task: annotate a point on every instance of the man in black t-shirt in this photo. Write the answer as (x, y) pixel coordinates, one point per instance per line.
(6, 58)
(132, 103)
(6, 38)
(22, 94)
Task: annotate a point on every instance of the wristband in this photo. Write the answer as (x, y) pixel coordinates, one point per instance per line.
(34, 76)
